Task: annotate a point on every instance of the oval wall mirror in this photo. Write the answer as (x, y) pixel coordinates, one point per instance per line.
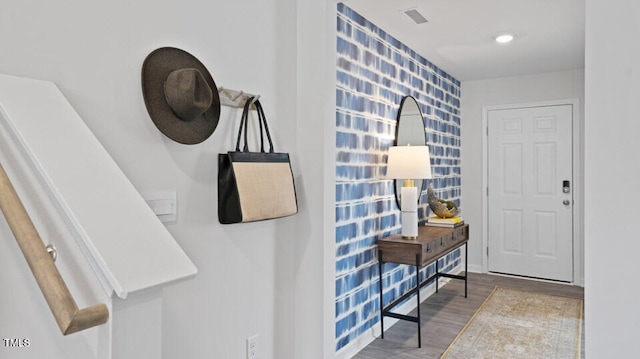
(409, 131)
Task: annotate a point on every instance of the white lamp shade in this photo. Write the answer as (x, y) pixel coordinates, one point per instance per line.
(409, 162)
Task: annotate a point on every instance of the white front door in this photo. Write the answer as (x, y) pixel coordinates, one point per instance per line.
(530, 192)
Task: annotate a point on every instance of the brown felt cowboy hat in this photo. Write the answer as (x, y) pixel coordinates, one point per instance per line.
(180, 94)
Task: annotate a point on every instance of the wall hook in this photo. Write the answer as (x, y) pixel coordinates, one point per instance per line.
(234, 98)
(238, 95)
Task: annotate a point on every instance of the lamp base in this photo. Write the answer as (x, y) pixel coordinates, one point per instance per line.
(409, 224)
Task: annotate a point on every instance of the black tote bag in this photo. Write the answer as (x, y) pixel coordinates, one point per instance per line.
(254, 186)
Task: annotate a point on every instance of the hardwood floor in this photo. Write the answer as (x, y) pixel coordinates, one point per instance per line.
(445, 314)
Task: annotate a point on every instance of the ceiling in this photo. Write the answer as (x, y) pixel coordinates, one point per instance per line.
(459, 35)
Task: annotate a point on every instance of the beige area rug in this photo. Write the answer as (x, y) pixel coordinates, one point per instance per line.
(518, 324)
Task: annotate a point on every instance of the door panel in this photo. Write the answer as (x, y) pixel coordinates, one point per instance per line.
(512, 232)
(546, 235)
(512, 169)
(530, 226)
(545, 165)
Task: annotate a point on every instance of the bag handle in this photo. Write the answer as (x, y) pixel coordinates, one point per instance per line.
(266, 128)
(244, 124)
(246, 128)
(243, 119)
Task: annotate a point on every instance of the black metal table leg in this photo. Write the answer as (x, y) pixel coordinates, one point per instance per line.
(466, 274)
(381, 302)
(437, 275)
(418, 296)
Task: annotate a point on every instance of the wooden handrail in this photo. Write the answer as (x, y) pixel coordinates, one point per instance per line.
(70, 319)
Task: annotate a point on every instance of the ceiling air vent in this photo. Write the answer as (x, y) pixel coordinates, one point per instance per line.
(416, 16)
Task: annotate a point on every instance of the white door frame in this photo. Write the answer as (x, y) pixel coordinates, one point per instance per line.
(578, 239)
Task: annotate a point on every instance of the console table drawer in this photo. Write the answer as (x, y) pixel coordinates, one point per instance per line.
(398, 252)
(432, 242)
(461, 233)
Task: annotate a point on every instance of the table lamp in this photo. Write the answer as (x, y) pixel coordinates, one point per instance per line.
(408, 163)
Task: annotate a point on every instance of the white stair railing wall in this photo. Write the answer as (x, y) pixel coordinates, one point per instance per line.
(111, 247)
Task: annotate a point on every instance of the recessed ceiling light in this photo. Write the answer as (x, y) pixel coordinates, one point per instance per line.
(504, 38)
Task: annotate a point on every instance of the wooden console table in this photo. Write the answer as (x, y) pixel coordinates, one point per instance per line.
(432, 244)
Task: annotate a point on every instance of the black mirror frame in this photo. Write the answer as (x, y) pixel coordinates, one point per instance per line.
(395, 143)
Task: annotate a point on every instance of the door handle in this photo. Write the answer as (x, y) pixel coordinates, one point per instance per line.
(566, 202)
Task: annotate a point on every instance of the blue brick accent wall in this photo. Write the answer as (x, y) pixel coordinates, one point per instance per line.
(374, 71)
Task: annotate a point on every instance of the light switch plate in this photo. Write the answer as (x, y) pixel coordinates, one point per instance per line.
(163, 203)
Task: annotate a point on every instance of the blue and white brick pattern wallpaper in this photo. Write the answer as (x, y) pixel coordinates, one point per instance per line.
(374, 72)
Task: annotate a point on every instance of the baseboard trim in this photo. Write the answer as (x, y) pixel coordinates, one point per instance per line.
(475, 268)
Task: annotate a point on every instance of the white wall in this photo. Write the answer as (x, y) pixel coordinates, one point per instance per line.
(512, 90)
(250, 275)
(612, 168)
(314, 269)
